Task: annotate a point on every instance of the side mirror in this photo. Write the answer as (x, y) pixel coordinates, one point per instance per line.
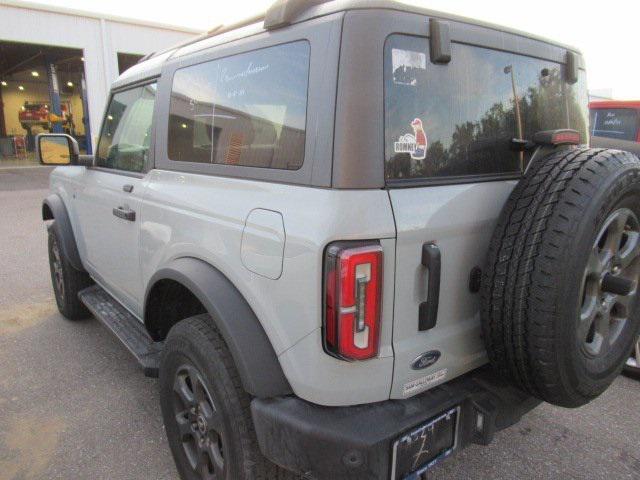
(57, 149)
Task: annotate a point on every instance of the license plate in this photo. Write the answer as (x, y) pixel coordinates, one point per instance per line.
(419, 449)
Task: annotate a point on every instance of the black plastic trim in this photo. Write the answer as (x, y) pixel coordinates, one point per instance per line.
(125, 214)
(453, 180)
(356, 442)
(428, 310)
(252, 352)
(63, 228)
(439, 41)
(571, 69)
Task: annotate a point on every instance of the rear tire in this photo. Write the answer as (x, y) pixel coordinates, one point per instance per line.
(551, 324)
(205, 409)
(66, 280)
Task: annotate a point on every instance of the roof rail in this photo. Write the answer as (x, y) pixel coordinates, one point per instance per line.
(282, 12)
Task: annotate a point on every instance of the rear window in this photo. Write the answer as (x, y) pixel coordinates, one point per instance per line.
(618, 123)
(248, 109)
(458, 119)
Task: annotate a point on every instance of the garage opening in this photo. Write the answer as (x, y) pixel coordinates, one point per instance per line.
(42, 89)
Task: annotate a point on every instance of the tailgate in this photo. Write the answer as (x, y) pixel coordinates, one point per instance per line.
(459, 221)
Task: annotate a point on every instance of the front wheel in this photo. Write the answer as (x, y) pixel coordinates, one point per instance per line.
(66, 280)
(205, 409)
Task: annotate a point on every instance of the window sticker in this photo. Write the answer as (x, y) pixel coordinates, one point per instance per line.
(414, 143)
(407, 65)
(423, 383)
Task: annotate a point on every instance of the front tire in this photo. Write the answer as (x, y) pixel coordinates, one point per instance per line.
(205, 409)
(66, 280)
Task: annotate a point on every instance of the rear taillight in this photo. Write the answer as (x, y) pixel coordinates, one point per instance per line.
(352, 299)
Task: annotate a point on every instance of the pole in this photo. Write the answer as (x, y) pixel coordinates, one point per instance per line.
(509, 69)
(54, 94)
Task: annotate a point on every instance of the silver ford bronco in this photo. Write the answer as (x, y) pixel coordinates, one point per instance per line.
(350, 238)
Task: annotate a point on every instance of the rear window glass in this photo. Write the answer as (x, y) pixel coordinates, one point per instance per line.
(458, 119)
(618, 123)
(248, 109)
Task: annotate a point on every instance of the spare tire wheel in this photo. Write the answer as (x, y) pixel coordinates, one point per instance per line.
(559, 293)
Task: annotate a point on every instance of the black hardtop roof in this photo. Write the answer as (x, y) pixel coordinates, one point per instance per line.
(287, 12)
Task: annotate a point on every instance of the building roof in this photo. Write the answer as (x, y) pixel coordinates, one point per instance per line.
(98, 16)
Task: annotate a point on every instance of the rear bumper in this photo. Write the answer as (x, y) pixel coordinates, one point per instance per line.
(356, 442)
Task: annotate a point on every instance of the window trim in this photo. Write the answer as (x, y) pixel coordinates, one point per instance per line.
(149, 164)
(323, 36)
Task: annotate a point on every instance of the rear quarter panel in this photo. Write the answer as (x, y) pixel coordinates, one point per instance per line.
(203, 216)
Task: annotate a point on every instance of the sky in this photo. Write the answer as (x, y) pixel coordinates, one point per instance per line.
(605, 32)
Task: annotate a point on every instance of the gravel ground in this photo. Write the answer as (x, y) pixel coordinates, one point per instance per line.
(74, 404)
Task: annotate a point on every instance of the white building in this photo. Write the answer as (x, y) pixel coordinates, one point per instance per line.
(47, 51)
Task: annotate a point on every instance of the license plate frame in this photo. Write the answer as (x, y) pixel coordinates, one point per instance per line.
(413, 442)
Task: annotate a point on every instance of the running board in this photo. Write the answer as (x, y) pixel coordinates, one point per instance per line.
(129, 330)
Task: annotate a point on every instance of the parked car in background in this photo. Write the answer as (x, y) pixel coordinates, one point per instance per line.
(615, 124)
(37, 114)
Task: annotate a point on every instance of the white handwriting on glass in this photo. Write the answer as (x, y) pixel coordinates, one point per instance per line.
(247, 72)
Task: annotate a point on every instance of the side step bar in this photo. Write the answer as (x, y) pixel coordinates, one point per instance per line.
(125, 326)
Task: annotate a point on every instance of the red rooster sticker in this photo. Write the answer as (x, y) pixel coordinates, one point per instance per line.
(420, 151)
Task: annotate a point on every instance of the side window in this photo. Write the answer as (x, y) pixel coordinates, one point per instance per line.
(126, 132)
(248, 109)
(458, 120)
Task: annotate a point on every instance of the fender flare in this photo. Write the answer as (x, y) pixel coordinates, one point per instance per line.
(53, 208)
(252, 352)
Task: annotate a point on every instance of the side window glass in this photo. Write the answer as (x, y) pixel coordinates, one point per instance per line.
(125, 139)
(248, 109)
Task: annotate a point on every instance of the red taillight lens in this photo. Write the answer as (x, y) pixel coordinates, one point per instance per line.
(352, 291)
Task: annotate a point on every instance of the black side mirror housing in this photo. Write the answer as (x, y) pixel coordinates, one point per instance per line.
(60, 149)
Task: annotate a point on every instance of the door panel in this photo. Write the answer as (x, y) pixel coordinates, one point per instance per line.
(459, 220)
(112, 241)
(109, 201)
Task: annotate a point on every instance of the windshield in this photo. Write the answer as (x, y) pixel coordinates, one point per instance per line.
(618, 123)
(458, 119)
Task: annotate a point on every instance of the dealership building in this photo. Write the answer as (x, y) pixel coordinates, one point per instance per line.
(56, 68)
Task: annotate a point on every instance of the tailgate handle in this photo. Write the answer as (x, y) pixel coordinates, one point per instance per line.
(428, 311)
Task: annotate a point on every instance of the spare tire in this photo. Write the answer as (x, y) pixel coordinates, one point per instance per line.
(559, 291)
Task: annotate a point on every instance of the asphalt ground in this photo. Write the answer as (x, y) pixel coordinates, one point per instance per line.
(74, 404)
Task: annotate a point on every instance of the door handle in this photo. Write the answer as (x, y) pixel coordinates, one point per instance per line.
(125, 214)
(127, 188)
(428, 310)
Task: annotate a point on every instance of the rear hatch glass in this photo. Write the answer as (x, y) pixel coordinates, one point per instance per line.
(457, 120)
(618, 123)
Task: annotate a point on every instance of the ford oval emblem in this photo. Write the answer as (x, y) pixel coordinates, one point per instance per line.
(425, 360)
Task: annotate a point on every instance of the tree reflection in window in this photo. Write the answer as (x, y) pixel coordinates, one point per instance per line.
(468, 109)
